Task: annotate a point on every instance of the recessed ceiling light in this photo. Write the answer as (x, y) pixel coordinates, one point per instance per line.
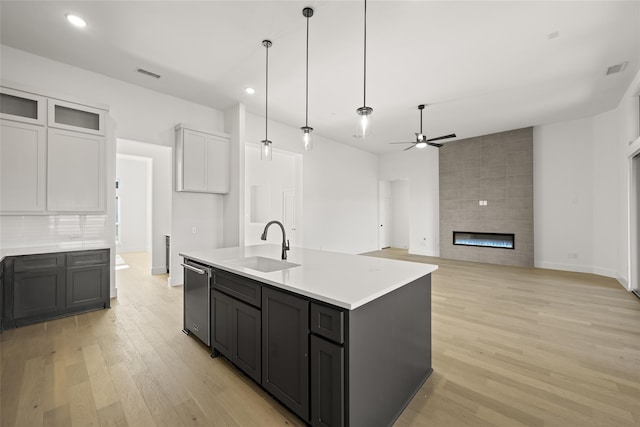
(76, 20)
(250, 90)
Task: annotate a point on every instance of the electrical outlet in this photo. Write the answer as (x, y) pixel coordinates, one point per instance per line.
(572, 255)
(193, 230)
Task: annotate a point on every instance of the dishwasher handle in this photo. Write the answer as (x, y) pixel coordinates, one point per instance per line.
(196, 270)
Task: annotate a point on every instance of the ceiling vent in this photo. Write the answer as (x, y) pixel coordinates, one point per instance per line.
(148, 73)
(616, 68)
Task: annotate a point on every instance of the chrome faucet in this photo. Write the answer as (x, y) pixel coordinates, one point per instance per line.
(285, 242)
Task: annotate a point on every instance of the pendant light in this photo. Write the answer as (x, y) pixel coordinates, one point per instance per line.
(363, 128)
(265, 149)
(307, 137)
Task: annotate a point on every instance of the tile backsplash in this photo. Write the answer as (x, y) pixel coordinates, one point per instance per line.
(53, 230)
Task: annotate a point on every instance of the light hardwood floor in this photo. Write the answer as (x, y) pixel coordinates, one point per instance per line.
(511, 347)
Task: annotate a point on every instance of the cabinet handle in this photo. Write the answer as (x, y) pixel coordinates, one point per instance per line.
(189, 267)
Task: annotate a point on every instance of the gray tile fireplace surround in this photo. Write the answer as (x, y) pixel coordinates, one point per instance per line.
(498, 169)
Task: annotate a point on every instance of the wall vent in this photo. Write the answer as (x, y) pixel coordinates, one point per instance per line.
(616, 68)
(148, 73)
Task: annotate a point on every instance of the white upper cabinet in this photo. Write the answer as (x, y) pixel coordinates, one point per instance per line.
(23, 153)
(75, 172)
(52, 155)
(202, 161)
(71, 116)
(22, 106)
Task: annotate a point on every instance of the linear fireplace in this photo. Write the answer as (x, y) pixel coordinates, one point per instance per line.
(487, 240)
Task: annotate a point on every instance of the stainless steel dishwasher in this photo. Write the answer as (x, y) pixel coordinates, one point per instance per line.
(197, 304)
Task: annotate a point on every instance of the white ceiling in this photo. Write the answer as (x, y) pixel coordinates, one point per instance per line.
(483, 66)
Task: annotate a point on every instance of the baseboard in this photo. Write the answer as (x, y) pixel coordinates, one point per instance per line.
(159, 270)
(578, 268)
(624, 282)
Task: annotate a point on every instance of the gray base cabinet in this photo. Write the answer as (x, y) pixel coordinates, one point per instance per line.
(41, 287)
(87, 278)
(330, 366)
(235, 333)
(38, 293)
(327, 383)
(285, 348)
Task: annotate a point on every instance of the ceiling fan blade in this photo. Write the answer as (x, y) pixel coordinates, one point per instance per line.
(402, 143)
(409, 148)
(453, 135)
(435, 144)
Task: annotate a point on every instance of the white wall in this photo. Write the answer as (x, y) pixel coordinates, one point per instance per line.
(581, 190)
(420, 168)
(138, 114)
(400, 218)
(161, 158)
(339, 189)
(563, 195)
(134, 192)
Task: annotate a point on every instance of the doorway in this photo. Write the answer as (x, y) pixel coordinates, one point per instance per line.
(155, 223)
(273, 191)
(393, 214)
(634, 232)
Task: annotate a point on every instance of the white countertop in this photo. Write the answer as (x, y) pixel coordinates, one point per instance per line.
(66, 247)
(344, 280)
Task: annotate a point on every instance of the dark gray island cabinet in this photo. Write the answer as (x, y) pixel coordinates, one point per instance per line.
(46, 286)
(339, 360)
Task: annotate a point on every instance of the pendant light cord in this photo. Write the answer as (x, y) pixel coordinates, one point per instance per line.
(306, 111)
(266, 98)
(365, 55)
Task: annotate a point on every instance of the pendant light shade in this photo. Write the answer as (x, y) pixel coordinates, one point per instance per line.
(265, 148)
(307, 135)
(363, 127)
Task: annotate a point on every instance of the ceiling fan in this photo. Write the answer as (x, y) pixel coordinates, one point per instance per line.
(421, 139)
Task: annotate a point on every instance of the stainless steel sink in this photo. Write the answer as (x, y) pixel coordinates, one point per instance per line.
(265, 265)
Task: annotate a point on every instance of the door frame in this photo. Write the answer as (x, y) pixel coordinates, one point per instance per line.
(634, 219)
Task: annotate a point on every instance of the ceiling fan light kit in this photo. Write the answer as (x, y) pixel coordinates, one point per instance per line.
(307, 136)
(421, 140)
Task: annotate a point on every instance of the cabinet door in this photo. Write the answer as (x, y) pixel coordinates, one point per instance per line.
(222, 323)
(22, 106)
(194, 161)
(285, 346)
(327, 383)
(38, 293)
(22, 167)
(247, 349)
(202, 162)
(87, 286)
(76, 172)
(217, 164)
(76, 117)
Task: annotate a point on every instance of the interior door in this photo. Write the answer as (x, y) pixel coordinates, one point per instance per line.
(289, 215)
(385, 222)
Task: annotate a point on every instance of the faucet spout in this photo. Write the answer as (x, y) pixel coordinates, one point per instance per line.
(285, 242)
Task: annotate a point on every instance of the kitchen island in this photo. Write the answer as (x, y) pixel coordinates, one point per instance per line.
(341, 340)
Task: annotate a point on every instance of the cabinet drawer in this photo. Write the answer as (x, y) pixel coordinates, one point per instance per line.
(38, 262)
(327, 322)
(82, 258)
(239, 287)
